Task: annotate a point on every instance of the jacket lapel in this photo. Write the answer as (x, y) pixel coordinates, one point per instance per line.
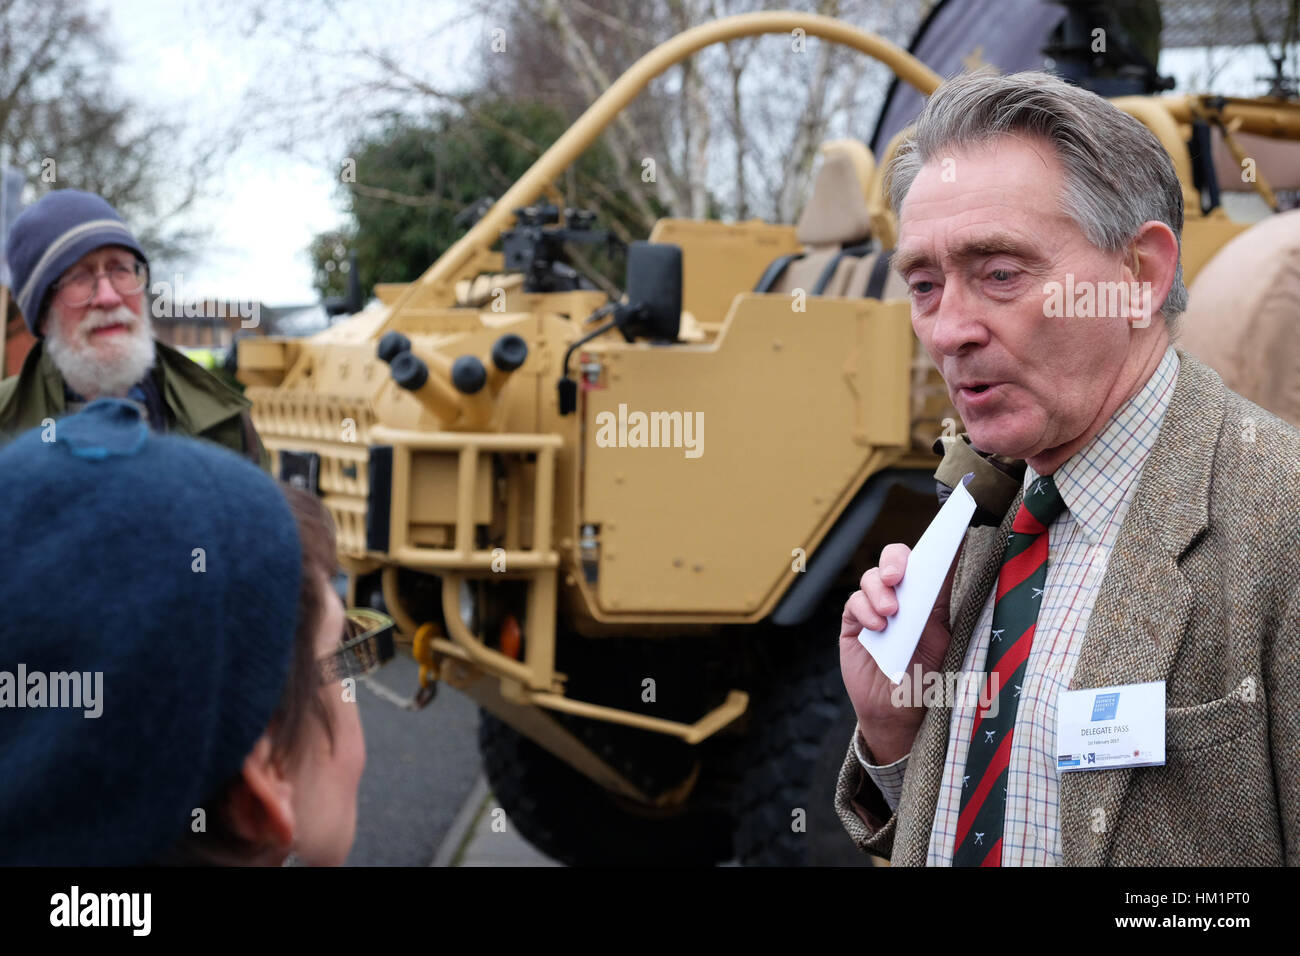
(977, 569)
(1145, 600)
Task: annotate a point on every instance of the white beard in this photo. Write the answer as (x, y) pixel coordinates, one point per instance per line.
(102, 369)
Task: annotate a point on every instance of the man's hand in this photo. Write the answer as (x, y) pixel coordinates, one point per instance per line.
(889, 731)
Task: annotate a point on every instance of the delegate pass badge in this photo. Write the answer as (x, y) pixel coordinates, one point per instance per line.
(1105, 728)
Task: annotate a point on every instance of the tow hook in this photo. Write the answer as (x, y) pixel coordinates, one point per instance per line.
(422, 651)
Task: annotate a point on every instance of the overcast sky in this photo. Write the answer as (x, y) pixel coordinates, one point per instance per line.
(265, 206)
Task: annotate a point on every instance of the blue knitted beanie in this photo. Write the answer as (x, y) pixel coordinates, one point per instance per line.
(159, 575)
(52, 234)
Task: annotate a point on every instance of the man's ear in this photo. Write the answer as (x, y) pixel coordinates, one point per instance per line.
(261, 806)
(1153, 258)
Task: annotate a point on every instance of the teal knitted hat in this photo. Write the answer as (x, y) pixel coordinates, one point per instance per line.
(148, 602)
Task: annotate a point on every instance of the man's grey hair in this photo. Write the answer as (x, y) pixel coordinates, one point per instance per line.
(1117, 175)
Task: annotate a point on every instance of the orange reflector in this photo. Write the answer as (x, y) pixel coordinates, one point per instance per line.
(510, 637)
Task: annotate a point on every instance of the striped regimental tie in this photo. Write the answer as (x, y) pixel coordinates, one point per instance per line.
(1015, 615)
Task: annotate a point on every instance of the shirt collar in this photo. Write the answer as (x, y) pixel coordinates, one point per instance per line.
(1094, 481)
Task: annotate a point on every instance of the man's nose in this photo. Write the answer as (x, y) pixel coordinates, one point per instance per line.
(957, 321)
(106, 297)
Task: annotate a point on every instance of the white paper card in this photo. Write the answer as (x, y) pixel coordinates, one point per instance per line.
(927, 566)
(1105, 728)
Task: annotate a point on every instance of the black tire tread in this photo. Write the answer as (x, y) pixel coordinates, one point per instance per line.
(799, 732)
(573, 820)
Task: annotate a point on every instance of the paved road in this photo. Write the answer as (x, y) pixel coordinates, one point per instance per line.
(420, 768)
(491, 838)
(423, 786)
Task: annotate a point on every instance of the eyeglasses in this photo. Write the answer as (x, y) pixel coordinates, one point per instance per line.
(78, 288)
(367, 644)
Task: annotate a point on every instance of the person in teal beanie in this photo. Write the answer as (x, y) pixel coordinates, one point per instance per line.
(153, 649)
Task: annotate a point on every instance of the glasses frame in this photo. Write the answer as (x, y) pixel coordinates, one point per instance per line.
(367, 650)
(138, 269)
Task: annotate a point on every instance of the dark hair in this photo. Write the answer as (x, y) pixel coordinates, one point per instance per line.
(319, 560)
(300, 699)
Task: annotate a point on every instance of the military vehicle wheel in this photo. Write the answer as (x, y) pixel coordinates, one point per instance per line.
(799, 731)
(575, 821)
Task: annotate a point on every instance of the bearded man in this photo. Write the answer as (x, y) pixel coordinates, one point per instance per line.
(79, 279)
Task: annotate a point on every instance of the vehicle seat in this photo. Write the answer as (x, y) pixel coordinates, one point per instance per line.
(872, 278)
(835, 227)
(840, 259)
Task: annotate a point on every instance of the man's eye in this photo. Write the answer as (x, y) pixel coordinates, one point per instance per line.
(1002, 275)
(921, 288)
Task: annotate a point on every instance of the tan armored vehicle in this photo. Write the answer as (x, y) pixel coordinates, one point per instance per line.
(627, 528)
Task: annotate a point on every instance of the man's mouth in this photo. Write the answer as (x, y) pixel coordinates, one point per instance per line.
(115, 328)
(977, 392)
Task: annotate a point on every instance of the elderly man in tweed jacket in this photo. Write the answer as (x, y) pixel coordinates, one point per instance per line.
(1172, 547)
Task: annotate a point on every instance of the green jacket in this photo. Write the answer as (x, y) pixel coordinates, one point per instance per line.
(198, 403)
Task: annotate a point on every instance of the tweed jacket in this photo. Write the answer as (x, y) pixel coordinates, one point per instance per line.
(1202, 591)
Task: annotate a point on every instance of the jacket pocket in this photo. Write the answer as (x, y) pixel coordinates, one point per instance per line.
(1212, 723)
